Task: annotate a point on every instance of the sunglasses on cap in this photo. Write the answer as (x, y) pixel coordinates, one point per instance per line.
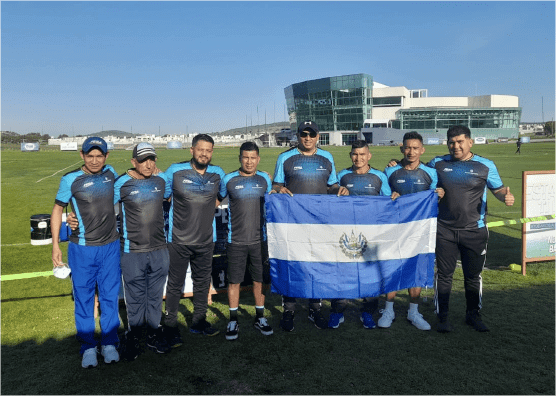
(312, 134)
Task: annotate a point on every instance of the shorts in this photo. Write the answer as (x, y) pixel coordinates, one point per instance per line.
(239, 255)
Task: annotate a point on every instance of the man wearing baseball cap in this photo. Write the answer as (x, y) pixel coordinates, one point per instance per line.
(93, 250)
(145, 259)
(305, 169)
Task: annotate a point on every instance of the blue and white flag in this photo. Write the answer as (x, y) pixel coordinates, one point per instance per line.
(324, 246)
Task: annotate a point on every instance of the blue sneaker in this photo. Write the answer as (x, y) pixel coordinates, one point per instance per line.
(335, 320)
(367, 320)
(204, 327)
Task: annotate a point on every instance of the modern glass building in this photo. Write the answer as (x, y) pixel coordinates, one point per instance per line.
(340, 105)
(334, 103)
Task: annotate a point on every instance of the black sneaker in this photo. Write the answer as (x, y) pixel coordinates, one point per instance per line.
(318, 319)
(286, 323)
(473, 319)
(130, 349)
(232, 331)
(443, 326)
(156, 341)
(173, 336)
(262, 325)
(204, 327)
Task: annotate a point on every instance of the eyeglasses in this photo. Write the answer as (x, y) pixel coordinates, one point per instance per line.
(312, 134)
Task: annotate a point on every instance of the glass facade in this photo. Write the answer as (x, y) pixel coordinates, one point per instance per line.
(473, 118)
(324, 139)
(334, 103)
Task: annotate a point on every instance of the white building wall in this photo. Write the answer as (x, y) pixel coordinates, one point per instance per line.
(461, 101)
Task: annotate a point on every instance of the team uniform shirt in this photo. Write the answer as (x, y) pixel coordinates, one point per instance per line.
(409, 181)
(191, 218)
(305, 174)
(246, 224)
(465, 183)
(142, 218)
(374, 182)
(92, 200)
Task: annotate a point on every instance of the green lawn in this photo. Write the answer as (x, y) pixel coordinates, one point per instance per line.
(40, 353)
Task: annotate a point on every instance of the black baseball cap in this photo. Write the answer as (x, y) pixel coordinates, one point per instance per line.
(308, 125)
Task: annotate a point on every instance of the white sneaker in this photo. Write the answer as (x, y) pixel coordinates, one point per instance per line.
(110, 354)
(417, 320)
(387, 318)
(89, 358)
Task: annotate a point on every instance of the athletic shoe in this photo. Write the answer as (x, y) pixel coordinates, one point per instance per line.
(262, 325)
(335, 320)
(110, 354)
(443, 326)
(286, 323)
(204, 327)
(387, 318)
(173, 336)
(232, 330)
(89, 358)
(156, 341)
(416, 319)
(368, 321)
(130, 348)
(473, 319)
(318, 319)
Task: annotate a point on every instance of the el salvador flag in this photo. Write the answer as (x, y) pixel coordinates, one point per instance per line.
(324, 246)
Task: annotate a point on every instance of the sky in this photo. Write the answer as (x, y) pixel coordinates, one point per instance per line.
(200, 67)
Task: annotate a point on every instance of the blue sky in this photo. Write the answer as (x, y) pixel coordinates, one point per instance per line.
(80, 67)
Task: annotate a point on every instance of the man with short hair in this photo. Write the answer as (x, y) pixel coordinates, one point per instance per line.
(246, 188)
(305, 169)
(93, 250)
(144, 253)
(359, 179)
(194, 185)
(465, 177)
(408, 177)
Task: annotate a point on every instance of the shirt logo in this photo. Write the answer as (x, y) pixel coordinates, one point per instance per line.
(238, 187)
(369, 186)
(134, 192)
(321, 168)
(400, 181)
(106, 180)
(297, 168)
(447, 169)
(257, 186)
(88, 184)
(156, 190)
(349, 185)
(187, 181)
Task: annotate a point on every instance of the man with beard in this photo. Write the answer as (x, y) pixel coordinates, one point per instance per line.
(305, 169)
(194, 186)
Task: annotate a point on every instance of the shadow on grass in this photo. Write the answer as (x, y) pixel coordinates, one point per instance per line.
(515, 357)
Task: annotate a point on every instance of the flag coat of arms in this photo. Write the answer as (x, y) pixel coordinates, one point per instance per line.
(324, 246)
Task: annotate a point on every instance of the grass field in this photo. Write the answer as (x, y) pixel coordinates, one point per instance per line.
(40, 353)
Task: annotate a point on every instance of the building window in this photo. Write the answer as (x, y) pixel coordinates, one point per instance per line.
(348, 138)
(324, 139)
(389, 101)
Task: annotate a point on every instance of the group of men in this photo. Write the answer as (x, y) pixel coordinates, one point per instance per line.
(194, 188)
